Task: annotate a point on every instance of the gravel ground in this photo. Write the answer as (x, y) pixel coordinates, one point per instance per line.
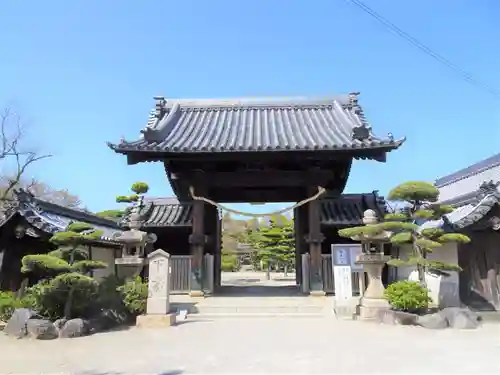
(260, 346)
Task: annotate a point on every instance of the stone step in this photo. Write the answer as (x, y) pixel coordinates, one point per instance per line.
(202, 317)
(255, 305)
(261, 309)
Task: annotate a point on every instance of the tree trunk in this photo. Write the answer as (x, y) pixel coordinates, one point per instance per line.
(68, 304)
(421, 276)
(285, 273)
(22, 288)
(268, 272)
(420, 268)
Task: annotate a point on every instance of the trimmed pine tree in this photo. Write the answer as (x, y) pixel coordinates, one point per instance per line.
(420, 205)
(66, 287)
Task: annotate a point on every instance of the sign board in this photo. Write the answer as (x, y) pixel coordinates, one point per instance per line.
(343, 263)
(346, 255)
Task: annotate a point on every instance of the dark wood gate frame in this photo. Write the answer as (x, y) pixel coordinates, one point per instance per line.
(257, 150)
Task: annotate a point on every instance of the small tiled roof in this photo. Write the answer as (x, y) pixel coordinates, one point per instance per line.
(51, 218)
(472, 212)
(344, 211)
(348, 210)
(249, 125)
(163, 212)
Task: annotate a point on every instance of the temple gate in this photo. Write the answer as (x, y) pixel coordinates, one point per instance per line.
(259, 150)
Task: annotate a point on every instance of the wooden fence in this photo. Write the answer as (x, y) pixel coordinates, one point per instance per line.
(180, 274)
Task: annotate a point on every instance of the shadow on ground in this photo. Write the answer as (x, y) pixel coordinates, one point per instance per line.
(259, 291)
(174, 372)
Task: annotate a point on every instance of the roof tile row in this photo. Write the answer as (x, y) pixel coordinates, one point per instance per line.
(257, 125)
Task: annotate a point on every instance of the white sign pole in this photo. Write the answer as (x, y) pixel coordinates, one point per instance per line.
(343, 263)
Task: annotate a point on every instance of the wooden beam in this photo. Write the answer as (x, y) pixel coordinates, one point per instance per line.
(265, 178)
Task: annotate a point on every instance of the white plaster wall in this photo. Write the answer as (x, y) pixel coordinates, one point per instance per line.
(444, 290)
(468, 184)
(107, 256)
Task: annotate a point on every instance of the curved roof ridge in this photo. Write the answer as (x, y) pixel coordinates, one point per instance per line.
(24, 196)
(466, 215)
(258, 101)
(335, 124)
(471, 170)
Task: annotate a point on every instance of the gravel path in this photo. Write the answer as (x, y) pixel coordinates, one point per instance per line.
(260, 346)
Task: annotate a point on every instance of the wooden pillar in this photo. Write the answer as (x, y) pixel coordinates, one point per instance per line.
(298, 247)
(218, 253)
(315, 238)
(197, 241)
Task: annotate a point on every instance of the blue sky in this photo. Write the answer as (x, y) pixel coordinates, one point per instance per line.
(84, 72)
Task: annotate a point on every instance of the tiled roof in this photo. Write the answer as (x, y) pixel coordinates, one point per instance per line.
(51, 218)
(248, 125)
(348, 210)
(163, 212)
(344, 211)
(465, 215)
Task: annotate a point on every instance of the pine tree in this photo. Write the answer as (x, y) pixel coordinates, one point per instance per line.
(138, 190)
(252, 238)
(404, 227)
(277, 243)
(66, 271)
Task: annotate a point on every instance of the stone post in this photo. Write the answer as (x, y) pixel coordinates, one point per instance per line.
(158, 303)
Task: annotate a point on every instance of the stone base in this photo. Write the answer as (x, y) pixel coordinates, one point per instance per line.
(155, 321)
(196, 293)
(369, 308)
(317, 293)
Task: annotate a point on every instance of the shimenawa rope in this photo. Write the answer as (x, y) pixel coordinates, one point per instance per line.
(321, 190)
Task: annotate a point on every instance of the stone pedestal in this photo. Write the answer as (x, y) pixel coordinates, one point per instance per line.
(155, 321)
(158, 304)
(369, 308)
(373, 298)
(129, 267)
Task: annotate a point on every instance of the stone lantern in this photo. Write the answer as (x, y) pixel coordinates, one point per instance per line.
(373, 261)
(134, 241)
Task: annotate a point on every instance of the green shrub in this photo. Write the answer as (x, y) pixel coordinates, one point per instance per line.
(109, 307)
(49, 297)
(407, 296)
(44, 265)
(229, 263)
(8, 303)
(135, 295)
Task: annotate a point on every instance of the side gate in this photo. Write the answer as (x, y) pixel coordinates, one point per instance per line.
(180, 275)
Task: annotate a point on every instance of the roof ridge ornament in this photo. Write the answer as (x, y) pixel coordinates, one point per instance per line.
(362, 132)
(487, 188)
(160, 103)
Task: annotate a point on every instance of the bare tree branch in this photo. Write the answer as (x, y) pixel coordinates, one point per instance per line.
(12, 152)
